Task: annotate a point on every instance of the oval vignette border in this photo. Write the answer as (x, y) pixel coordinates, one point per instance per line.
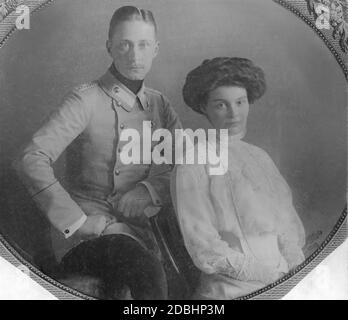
(274, 291)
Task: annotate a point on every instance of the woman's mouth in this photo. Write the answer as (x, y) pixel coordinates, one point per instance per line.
(233, 123)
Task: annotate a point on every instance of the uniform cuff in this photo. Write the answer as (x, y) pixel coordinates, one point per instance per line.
(156, 200)
(68, 232)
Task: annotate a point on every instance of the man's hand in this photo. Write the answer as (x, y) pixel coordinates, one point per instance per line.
(93, 227)
(134, 202)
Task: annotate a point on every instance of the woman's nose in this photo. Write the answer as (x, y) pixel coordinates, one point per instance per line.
(233, 111)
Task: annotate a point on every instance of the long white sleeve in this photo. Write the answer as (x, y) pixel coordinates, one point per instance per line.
(291, 233)
(195, 213)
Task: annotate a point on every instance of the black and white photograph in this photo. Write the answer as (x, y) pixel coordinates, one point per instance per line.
(173, 150)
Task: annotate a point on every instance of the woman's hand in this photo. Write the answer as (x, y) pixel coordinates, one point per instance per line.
(294, 258)
(292, 252)
(253, 270)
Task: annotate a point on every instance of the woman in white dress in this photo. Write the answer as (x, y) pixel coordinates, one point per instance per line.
(240, 228)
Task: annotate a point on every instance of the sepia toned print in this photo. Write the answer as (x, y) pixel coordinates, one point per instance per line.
(111, 229)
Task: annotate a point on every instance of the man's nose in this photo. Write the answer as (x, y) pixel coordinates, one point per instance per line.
(134, 54)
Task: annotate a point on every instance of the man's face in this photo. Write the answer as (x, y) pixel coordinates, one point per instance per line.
(133, 47)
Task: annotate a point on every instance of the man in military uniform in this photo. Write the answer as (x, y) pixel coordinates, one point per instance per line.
(104, 196)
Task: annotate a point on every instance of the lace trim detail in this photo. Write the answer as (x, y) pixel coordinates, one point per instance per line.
(222, 265)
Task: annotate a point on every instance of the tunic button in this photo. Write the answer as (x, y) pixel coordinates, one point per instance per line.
(116, 89)
(122, 126)
(117, 172)
(67, 231)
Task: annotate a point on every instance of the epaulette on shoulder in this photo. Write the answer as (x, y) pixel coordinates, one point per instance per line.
(153, 91)
(85, 86)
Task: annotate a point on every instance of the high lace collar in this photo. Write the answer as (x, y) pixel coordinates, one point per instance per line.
(236, 138)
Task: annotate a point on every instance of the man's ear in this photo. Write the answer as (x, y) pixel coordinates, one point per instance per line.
(157, 46)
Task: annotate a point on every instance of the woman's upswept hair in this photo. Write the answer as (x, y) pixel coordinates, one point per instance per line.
(223, 71)
(128, 13)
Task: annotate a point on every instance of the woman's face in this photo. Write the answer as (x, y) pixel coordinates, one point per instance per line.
(228, 108)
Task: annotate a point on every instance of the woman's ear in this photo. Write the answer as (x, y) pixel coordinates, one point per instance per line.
(108, 46)
(203, 109)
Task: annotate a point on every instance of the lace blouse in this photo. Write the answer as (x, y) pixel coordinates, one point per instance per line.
(240, 228)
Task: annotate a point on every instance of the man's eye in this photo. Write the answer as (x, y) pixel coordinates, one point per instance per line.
(144, 45)
(123, 46)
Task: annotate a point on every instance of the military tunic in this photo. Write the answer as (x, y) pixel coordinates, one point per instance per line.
(88, 124)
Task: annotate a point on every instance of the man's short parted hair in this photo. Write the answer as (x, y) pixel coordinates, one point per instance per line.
(223, 71)
(128, 13)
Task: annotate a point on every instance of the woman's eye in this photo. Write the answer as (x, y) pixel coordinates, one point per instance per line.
(242, 102)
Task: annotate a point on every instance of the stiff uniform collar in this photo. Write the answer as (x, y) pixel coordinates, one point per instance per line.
(124, 97)
(133, 85)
